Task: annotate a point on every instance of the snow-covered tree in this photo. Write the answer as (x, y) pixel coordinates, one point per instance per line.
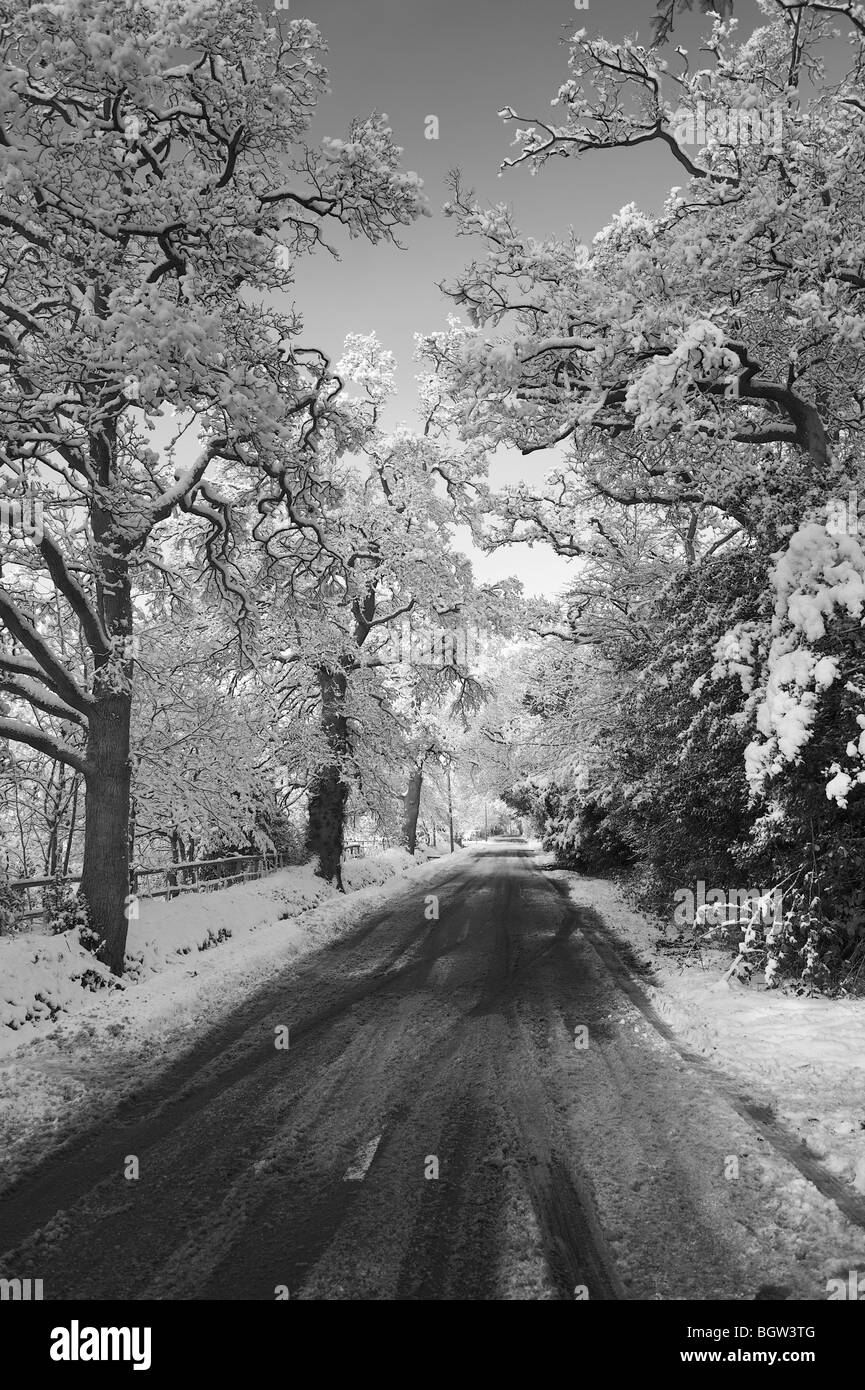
(158, 191)
(733, 315)
(368, 575)
(699, 371)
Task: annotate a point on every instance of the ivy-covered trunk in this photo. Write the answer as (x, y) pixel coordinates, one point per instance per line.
(108, 774)
(411, 809)
(105, 878)
(329, 792)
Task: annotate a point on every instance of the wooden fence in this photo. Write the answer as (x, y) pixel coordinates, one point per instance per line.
(192, 876)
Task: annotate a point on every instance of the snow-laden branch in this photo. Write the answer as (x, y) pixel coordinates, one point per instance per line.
(66, 583)
(53, 671)
(17, 731)
(40, 698)
(163, 505)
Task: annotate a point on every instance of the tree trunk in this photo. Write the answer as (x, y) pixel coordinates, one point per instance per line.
(105, 877)
(53, 816)
(411, 809)
(108, 778)
(329, 792)
(326, 818)
(73, 815)
(133, 809)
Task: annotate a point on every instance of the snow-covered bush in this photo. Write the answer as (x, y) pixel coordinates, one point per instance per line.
(806, 665)
(801, 671)
(10, 908)
(63, 909)
(665, 786)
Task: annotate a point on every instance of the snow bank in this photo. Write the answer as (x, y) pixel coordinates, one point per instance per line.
(42, 977)
(803, 1057)
(60, 1078)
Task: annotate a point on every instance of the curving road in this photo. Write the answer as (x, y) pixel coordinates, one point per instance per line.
(434, 1130)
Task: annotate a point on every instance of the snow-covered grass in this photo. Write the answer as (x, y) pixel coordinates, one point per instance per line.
(805, 1057)
(194, 959)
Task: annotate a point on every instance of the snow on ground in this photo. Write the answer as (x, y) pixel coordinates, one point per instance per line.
(196, 958)
(68, 1054)
(805, 1057)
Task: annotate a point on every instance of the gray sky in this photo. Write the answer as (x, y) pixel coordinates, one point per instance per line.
(462, 61)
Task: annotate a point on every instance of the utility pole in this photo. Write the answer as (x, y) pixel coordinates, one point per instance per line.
(486, 826)
(450, 808)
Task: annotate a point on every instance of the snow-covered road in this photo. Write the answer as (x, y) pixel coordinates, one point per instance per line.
(468, 1107)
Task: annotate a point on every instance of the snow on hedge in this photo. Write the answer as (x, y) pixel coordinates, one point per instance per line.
(818, 580)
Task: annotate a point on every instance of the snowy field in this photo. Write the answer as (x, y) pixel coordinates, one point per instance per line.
(68, 1053)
